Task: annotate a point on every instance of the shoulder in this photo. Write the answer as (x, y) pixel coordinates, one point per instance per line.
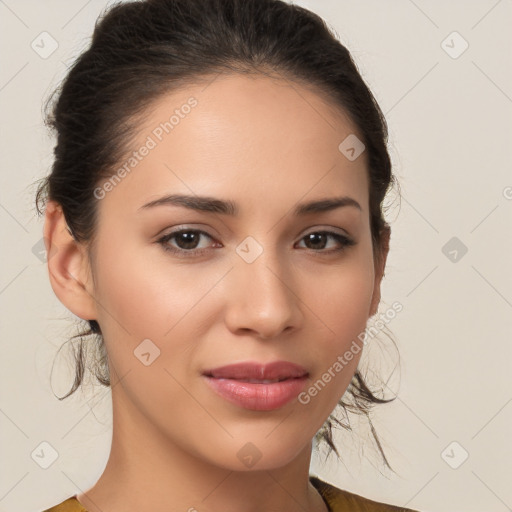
(339, 500)
(68, 505)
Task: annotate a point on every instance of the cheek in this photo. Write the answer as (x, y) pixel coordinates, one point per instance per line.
(342, 306)
(145, 298)
(342, 298)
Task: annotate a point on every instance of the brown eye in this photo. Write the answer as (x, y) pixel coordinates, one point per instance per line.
(186, 241)
(317, 240)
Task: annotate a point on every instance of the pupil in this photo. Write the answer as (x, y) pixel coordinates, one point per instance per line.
(318, 236)
(189, 239)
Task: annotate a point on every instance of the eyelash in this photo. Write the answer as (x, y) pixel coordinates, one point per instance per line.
(188, 253)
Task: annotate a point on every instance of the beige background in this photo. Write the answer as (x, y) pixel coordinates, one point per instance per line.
(450, 125)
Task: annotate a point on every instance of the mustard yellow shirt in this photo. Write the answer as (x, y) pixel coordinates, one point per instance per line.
(337, 500)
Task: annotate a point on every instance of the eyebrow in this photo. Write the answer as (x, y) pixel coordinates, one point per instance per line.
(213, 205)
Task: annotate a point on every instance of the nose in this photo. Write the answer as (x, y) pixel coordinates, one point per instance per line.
(263, 298)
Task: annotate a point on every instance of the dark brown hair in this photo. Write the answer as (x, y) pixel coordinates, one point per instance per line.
(143, 49)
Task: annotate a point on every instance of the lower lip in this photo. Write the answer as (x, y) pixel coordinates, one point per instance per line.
(257, 397)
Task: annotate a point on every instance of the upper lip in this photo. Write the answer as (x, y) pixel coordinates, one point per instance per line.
(252, 370)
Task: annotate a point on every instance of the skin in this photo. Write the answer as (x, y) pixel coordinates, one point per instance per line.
(265, 144)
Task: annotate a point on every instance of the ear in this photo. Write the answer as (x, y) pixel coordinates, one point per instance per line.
(380, 265)
(68, 265)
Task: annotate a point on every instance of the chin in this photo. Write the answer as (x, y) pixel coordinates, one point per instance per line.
(259, 454)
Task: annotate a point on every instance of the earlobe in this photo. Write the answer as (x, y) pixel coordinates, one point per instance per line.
(67, 264)
(380, 266)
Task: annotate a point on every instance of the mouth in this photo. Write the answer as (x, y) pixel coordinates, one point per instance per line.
(257, 386)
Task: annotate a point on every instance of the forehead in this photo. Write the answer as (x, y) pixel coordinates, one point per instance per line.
(246, 137)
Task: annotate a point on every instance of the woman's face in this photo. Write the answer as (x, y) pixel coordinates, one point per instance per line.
(260, 285)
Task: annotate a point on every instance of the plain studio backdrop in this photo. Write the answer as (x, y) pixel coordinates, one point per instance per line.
(442, 73)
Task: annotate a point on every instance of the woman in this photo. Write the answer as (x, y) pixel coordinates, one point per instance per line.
(214, 212)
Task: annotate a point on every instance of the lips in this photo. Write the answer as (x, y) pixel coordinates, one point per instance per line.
(255, 386)
(258, 373)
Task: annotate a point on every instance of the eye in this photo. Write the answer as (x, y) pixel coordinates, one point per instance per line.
(318, 239)
(187, 241)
